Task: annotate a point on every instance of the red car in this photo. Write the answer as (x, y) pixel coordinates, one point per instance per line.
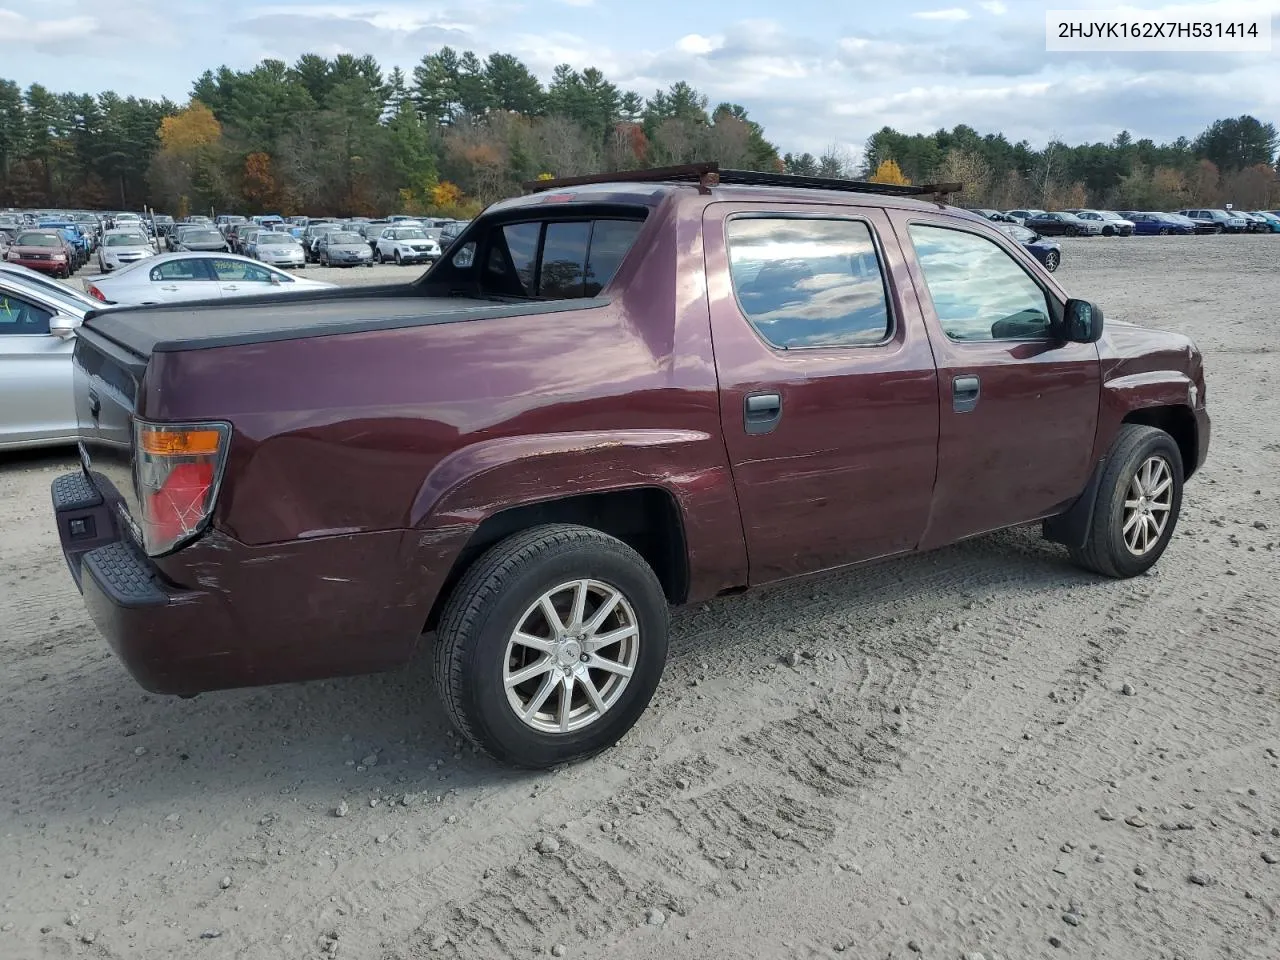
(43, 250)
(607, 399)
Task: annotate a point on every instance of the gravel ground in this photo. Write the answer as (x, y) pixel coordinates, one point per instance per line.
(951, 768)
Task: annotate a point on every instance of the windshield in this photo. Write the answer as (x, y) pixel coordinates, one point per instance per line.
(346, 238)
(38, 240)
(124, 240)
(410, 234)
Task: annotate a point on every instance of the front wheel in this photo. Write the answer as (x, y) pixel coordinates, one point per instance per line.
(377, 256)
(1164, 231)
(399, 262)
(1139, 498)
(551, 646)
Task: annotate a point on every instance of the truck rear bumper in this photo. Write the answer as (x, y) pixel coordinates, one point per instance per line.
(248, 616)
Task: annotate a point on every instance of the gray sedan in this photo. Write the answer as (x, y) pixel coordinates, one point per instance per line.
(37, 334)
(342, 249)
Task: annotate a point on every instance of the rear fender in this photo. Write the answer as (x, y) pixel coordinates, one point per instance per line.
(485, 478)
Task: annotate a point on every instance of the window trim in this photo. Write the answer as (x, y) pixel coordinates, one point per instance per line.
(1051, 301)
(891, 331)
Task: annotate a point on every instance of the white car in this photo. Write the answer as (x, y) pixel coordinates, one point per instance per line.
(38, 319)
(119, 248)
(406, 245)
(182, 277)
(279, 250)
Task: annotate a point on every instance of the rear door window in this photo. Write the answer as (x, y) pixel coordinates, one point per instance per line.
(805, 282)
(187, 269)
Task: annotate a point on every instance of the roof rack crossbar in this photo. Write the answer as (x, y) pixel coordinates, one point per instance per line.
(708, 174)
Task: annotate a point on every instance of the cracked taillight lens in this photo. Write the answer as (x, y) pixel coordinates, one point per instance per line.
(178, 468)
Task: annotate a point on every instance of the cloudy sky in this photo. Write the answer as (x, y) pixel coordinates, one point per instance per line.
(816, 72)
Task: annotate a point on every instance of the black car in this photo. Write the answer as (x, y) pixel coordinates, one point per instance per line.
(1062, 224)
(995, 216)
(202, 239)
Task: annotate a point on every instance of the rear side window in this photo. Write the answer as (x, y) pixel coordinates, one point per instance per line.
(192, 269)
(555, 260)
(21, 317)
(809, 283)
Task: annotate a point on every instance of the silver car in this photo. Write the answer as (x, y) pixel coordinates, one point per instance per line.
(119, 248)
(279, 249)
(181, 277)
(37, 333)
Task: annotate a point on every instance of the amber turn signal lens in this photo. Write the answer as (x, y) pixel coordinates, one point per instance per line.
(178, 443)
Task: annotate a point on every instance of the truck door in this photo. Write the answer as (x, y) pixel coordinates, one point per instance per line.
(828, 393)
(1018, 405)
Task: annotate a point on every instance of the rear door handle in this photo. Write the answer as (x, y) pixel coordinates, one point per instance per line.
(964, 393)
(761, 411)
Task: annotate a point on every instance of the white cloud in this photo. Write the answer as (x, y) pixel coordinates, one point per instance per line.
(994, 7)
(696, 43)
(953, 14)
(15, 28)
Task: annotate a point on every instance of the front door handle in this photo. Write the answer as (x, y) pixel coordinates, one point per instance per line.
(964, 393)
(761, 411)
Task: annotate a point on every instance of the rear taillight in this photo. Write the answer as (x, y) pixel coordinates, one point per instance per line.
(96, 293)
(178, 469)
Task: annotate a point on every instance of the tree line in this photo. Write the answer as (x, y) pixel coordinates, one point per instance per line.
(341, 136)
(1231, 161)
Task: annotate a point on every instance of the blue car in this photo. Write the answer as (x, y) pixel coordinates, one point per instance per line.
(1272, 221)
(1048, 252)
(1154, 223)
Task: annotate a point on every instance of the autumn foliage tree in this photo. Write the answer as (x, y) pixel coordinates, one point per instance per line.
(888, 171)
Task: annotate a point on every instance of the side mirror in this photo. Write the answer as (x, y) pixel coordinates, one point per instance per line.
(62, 326)
(1082, 322)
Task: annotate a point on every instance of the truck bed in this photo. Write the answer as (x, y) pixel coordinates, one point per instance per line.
(193, 326)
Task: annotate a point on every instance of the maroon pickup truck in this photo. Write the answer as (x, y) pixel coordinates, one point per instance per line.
(608, 398)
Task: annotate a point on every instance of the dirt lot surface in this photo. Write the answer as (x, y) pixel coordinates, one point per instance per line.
(932, 757)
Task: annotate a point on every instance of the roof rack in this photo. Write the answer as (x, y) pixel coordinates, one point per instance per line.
(709, 174)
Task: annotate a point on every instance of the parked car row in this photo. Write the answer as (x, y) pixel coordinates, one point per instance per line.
(1078, 222)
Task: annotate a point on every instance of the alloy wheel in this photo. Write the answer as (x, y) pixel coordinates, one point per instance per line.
(1051, 261)
(1148, 501)
(571, 656)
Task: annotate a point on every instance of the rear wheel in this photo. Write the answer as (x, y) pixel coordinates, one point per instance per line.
(552, 645)
(1139, 498)
(1051, 260)
(1164, 231)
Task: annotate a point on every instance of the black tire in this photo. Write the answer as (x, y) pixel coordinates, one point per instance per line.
(1164, 231)
(377, 255)
(483, 610)
(1105, 550)
(399, 262)
(1051, 260)
(1108, 231)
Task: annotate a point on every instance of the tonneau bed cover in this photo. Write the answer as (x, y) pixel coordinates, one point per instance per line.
(194, 326)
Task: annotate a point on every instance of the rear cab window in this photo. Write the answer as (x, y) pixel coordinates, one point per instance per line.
(546, 258)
